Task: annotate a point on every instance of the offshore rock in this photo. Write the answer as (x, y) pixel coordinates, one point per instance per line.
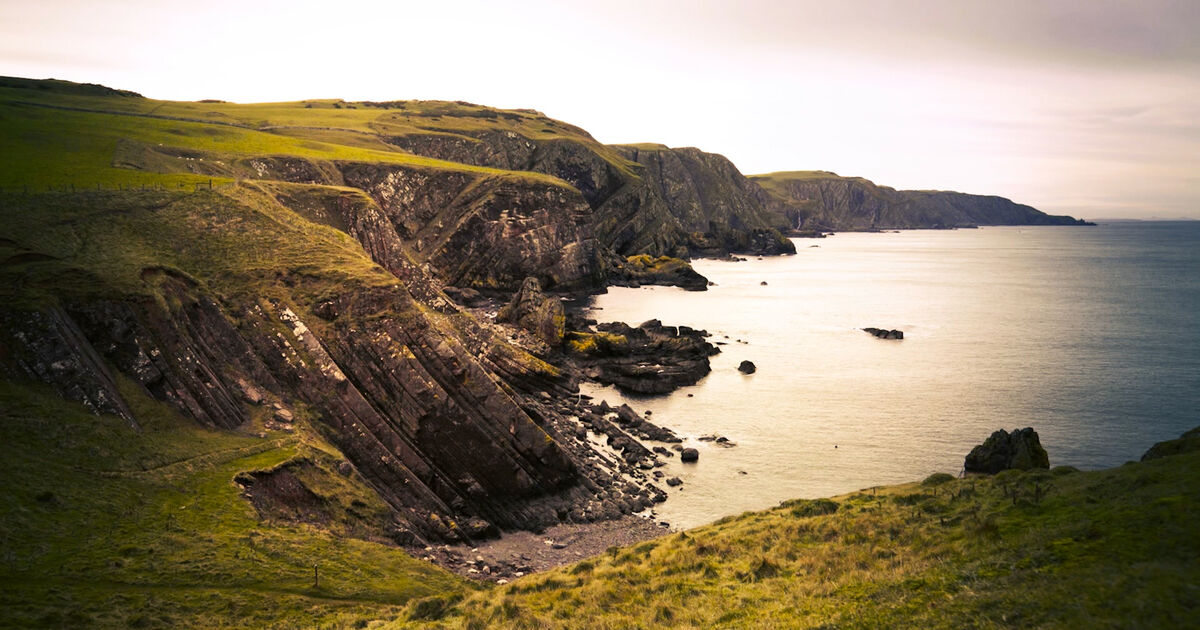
(1019, 450)
(664, 270)
(531, 310)
(884, 333)
(649, 359)
(747, 367)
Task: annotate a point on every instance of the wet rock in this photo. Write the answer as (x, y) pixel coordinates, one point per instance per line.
(649, 359)
(747, 367)
(665, 270)
(1020, 450)
(674, 481)
(883, 333)
(689, 455)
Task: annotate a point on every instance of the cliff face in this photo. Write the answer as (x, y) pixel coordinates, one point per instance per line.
(263, 308)
(645, 198)
(819, 200)
(474, 228)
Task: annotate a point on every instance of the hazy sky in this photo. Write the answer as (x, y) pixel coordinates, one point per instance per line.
(1088, 107)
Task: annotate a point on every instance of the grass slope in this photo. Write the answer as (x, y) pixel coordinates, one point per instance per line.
(59, 134)
(107, 527)
(1061, 549)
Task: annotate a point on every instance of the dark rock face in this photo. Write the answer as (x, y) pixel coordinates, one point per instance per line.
(449, 427)
(883, 333)
(816, 201)
(715, 204)
(1185, 443)
(644, 199)
(532, 310)
(747, 367)
(689, 455)
(649, 359)
(481, 231)
(1020, 450)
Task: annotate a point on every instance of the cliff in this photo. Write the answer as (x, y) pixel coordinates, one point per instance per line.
(646, 198)
(223, 303)
(819, 200)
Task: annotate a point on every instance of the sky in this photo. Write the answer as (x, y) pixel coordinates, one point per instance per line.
(1082, 107)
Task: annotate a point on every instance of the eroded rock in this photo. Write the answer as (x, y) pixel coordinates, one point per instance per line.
(535, 312)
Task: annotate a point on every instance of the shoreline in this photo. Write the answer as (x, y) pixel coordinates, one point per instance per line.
(519, 553)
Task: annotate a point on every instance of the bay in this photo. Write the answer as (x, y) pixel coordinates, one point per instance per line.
(1091, 335)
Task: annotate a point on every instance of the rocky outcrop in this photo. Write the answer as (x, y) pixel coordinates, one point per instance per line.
(1020, 450)
(818, 200)
(747, 367)
(884, 333)
(649, 359)
(641, 269)
(531, 310)
(485, 231)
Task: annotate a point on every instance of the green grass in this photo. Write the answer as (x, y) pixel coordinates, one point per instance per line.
(108, 527)
(1114, 548)
(236, 241)
(64, 135)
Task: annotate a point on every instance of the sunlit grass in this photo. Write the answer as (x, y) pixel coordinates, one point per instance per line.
(1114, 548)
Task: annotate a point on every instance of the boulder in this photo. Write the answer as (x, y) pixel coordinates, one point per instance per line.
(746, 367)
(534, 311)
(1020, 450)
(689, 455)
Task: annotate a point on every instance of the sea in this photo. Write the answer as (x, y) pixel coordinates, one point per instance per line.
(1090, 335)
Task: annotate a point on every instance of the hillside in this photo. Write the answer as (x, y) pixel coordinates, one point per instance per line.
(820, 200)
(232, 273)
(109, 527)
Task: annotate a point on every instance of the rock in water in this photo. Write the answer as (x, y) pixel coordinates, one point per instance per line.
(689, 455)
(532, 310)
(746, 367)
(883, 333)
(1020, 450)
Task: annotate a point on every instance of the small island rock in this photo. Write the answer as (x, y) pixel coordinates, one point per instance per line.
(746, 367)
(1020, 450)
(689, 455)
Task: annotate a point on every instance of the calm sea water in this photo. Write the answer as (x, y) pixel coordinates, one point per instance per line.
(1089, 335)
